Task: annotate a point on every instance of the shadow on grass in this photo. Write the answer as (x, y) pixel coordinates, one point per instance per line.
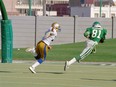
(5, 71)
(51, 72)
(98, 79)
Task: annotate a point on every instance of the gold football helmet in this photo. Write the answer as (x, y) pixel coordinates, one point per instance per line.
(56, 26)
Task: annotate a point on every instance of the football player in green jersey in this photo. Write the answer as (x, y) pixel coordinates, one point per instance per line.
(95, 34)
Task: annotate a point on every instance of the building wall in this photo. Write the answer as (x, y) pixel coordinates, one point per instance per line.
(92, 10)
(62, 9)
(10, 7)
(74, 3)
(108, 11)
(14, 7)
(80, 11)
(108, 8)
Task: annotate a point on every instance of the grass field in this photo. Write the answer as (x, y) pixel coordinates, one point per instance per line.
(51, 74)
(97, 70)
(106, 52)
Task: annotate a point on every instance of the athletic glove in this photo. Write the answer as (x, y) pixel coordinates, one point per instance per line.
(87, 34)
(102, 40)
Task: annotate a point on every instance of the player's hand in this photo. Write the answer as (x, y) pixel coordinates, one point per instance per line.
(102, 40)
(49, 47)
(87, 34)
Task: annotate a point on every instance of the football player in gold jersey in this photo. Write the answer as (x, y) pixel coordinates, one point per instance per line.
(43, 46)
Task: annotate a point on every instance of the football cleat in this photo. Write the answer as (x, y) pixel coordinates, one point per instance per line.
(32, 70)
(66, 66)
(78, 61)
(32, 50)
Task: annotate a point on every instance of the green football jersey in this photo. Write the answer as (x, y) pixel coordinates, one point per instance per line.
(96, 34)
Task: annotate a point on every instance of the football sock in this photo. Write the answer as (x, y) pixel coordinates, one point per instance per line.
(78, 58)
(72, 61)
(35, 64)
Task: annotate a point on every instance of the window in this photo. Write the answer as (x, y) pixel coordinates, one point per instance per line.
(96, 15)
(112, 15)
(103, 15)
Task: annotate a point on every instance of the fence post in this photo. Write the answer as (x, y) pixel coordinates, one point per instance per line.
(112, 27)
(30, 7)
(74, 29)
(35, 29)
(75, 22)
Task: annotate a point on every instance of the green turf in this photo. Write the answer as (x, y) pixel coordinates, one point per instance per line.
(51, 74)
(106, 52)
